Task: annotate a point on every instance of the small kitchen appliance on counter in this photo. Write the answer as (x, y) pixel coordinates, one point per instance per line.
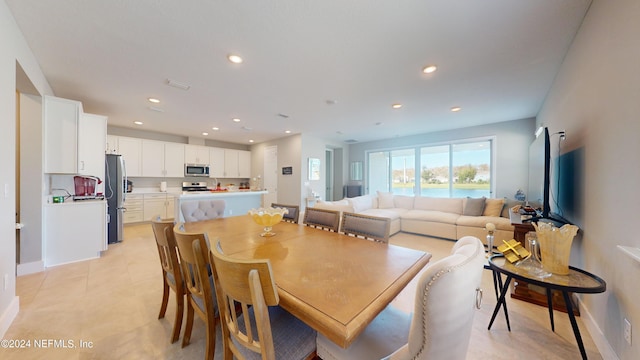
(85, 188)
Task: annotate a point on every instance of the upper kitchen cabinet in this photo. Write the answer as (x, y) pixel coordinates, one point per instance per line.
(161, 159)
(196, 154)
(92, 133)
(131, 151)
(61, 117)
(216, 162)
(237, 163)
(112, 145)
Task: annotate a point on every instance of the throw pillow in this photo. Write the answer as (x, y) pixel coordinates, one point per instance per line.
(361, 203)
(474, 206)
(385, 200)
(493, 207)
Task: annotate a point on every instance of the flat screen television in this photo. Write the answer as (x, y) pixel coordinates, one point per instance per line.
(540, 177)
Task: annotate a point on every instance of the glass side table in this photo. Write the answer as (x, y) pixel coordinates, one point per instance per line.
(578, 281)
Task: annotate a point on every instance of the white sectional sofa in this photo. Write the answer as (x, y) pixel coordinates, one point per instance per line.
(449, 218)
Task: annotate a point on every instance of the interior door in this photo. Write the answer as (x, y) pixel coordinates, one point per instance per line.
(271, 175)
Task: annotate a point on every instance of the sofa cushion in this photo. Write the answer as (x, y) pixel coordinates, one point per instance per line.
(429, 215)
(385, 200)
(481, 221)
(361, 203)
(403, 201)
(340, 205)
(450, 205)
(493, 207)
(386, 213)
(473, 206)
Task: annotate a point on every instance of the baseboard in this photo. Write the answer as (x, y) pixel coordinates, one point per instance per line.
(7, 317)
(30, 268)
(596, 334)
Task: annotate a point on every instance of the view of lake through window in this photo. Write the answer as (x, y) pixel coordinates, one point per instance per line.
(451, 170)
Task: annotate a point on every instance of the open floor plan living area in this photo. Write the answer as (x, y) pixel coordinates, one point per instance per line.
(284, 179)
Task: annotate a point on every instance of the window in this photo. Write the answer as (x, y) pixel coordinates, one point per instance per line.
(457, 169)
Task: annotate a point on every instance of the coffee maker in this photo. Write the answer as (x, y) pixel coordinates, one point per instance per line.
(85, 188)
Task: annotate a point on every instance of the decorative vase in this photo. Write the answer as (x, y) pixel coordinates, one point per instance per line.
(555, 246)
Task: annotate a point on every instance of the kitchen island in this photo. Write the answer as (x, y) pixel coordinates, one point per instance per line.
(237, 202)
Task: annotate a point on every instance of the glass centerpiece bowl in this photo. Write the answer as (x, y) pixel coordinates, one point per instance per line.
(267, 217)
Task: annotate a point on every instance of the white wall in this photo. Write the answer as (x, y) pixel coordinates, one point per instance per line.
(596, 100)
(511, 150)
(13, 48)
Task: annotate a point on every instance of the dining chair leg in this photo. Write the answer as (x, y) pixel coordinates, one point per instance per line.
(188, 326)
(165, 298)
(177, 323)
(211, 341)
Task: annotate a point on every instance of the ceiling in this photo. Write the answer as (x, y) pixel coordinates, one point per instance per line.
(332, 68)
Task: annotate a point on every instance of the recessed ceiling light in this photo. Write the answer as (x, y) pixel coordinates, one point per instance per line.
(429, 69)
(235, 120)
(138, 122)
(154, 100)
(250, 141)
(236, 59)
(456, 108)
(396, 106)
(287, 131)
(215, 128)
(205, 133)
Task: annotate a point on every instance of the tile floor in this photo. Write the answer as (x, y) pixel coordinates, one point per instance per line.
(111, 304)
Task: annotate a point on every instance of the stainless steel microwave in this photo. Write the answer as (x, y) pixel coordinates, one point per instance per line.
(196, 170)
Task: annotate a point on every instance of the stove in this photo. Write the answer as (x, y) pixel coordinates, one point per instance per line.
(194, 186)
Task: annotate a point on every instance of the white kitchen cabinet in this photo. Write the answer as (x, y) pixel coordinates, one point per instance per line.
(230, 163)
(161, 159)
(92, 133)
(244, 164)
(237, 163)
(174, 160)
(61, 117)
(134, 208)
(112, 145)
(74, 231)
(131, 151)
(216, 162)
(196, 154)
(158, 204)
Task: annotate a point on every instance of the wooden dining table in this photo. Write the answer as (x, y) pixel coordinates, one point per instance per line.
(335, 283)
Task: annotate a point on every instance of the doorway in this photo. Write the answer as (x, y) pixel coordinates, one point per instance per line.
(270, 175)
(328, 194)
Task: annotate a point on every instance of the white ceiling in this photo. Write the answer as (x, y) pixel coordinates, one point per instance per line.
(496, 59)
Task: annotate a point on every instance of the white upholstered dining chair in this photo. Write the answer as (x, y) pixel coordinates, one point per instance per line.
(447, 295)
(198, 210)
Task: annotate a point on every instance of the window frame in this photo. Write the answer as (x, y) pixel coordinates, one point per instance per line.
(417, 162)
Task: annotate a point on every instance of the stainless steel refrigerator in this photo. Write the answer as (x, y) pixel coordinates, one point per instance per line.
(115, 193)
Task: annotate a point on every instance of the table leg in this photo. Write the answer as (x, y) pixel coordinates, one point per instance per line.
(496, 276)
(504, 289)
(574, 324)
(550, 305)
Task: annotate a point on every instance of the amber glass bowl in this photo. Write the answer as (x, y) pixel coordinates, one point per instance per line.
(267, 217)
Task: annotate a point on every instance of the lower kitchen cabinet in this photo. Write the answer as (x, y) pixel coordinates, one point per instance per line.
(134, 206)
(159, 204)
(74, 231)
(144, 207)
